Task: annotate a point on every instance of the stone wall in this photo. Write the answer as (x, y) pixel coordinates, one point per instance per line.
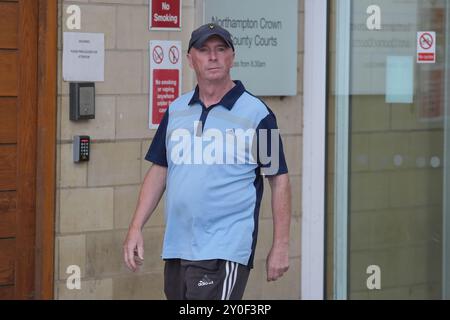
(95, 200)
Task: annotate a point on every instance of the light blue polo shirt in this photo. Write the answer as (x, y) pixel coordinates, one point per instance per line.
(214, 183)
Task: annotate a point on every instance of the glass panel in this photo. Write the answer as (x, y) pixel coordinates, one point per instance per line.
(396, 150)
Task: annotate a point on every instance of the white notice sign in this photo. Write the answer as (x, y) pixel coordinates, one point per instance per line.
(370, 49)
(83, 56)
(399, 79)
(265, 36)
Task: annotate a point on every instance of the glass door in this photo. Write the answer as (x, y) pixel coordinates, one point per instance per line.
(388, 148)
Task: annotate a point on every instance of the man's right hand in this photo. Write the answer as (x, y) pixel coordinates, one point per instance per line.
(133, 249)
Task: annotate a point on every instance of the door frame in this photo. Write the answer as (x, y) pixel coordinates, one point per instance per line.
(314, 150)
(341, 154)
(46, 148)
(446, 204)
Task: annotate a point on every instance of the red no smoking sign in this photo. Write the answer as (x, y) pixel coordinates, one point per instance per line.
(165, 78)
(426, 47)
(165, 14)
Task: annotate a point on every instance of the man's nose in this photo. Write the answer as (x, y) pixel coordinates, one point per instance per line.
(212, 55)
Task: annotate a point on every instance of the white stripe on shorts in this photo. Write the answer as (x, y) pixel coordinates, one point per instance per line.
(230, 279)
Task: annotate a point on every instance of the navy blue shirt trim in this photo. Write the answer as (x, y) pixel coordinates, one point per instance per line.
(259, 188)
(228, 100)
(157, 151)
(269, 123)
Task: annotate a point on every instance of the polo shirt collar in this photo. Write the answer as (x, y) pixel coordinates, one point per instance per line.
(228, 100)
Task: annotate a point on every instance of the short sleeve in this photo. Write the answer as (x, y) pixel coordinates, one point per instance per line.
(157, 151)
(270, 155)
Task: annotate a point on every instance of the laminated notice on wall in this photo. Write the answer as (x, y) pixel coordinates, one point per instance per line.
(399, 79)
(83, 56)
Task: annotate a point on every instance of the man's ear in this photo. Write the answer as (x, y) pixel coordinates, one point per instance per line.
(189, 58)
(234, 56)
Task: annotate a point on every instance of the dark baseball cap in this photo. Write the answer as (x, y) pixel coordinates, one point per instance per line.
(204, 32)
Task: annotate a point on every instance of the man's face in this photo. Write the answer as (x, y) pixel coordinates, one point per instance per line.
(213, 60)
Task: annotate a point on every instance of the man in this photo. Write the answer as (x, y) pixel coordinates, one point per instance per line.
(209, 153)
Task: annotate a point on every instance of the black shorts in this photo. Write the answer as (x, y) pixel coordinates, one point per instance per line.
(204, 280)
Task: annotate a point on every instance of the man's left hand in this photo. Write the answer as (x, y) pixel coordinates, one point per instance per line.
(277, 263)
